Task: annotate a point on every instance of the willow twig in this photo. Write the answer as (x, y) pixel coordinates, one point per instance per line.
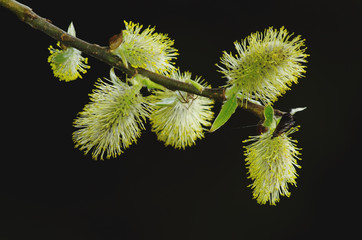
(25, 14)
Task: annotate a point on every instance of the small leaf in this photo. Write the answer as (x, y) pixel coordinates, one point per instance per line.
(198, 86)
(226, 111)
(152, 85)
(269, 116)
(146, 82)
(63, 55)
(231, 91)
(166, 102)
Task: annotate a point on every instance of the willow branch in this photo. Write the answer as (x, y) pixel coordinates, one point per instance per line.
(25, 14)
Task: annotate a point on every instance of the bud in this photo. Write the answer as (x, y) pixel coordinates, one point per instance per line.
(115, 41)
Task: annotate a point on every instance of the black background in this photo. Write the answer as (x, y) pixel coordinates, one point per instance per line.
(49, 190)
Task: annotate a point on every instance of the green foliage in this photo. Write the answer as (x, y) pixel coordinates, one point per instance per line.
(269, 116)
(227, 109)
(197, 85)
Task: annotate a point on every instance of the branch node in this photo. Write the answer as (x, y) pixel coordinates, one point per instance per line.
(28, 13)
(64, 37)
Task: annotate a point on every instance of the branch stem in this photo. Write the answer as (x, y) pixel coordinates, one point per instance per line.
(25, 14)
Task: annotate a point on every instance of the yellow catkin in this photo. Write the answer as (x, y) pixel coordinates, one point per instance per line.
(266, 64)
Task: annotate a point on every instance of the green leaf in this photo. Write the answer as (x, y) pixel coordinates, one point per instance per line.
(225, 113)
(198, 86)
(231, 91)
(269, 116)
(152, 85)
(145, 81)
(63, 56)
(166, 102)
